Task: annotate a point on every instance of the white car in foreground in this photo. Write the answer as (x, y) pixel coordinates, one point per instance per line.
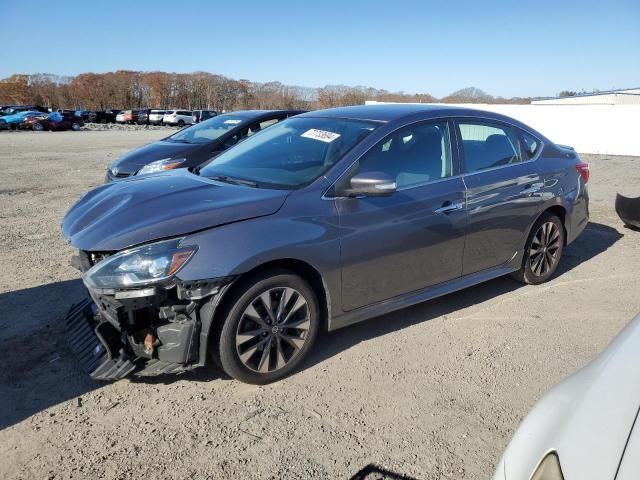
(584, 428)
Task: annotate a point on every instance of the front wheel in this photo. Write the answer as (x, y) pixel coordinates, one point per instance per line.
(37, 127)
(180, 123)
(75, 127)
(269, 328)
(543, 251)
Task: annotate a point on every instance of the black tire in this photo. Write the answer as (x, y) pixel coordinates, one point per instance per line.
(236, 323)
(541, 259)
(180, 123)
(37, 127)
(75, 127)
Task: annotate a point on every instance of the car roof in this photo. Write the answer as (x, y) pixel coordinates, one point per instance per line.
(390, 112)
(259, 113)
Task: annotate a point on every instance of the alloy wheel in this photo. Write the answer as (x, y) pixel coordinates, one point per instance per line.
(545, 248)
(273, 329)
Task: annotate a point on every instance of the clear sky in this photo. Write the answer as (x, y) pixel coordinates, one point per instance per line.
(508, 48)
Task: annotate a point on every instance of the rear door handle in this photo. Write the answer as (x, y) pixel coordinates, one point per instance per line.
(532, 188)
(448, 207)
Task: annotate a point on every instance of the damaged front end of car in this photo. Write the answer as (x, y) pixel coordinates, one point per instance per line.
(141, 318)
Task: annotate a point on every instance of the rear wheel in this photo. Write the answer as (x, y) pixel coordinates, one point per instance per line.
(181, 123)
(543, 251)
(269, 328)
(37, 127)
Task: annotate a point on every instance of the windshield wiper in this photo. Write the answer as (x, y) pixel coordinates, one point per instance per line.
(234, 180)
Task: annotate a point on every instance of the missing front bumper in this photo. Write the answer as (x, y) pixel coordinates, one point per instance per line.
(92, 349)
(100, 352)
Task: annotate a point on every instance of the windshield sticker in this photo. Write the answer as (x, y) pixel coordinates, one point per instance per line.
(321, 135)
(232, 122)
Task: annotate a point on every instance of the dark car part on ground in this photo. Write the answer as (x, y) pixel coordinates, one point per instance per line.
(318, 222)
(628, 209)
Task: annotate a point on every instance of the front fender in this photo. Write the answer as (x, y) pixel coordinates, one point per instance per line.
(305, 229)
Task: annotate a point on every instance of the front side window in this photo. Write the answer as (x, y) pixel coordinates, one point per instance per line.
(412, 155)
(291, 153)
(487, 146)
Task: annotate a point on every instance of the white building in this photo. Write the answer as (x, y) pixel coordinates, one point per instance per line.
(630, 96)
(589, 128)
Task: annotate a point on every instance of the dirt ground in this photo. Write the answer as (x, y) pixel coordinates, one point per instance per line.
(431, 392)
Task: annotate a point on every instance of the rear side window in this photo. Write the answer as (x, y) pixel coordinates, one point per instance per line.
(487, 146)
(530, 145)
(183, 112)
(413, 155)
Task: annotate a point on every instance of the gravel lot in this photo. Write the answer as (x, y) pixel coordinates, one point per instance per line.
(433, 391)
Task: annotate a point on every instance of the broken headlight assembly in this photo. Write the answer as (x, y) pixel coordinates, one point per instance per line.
(139, 266)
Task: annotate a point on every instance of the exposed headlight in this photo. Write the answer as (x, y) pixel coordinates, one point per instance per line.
(161, 165)
(549, 468)
(145, 265)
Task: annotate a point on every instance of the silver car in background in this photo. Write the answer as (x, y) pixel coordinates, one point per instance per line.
(584, 428)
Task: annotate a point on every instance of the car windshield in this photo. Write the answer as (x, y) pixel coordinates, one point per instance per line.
(207, 131)
(289, 154)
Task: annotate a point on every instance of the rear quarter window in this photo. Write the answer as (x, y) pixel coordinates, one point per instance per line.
(487, 145)
(530, 145)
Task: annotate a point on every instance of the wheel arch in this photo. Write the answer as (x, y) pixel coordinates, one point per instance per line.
(560, 212)
(556, 209)
(212, 311)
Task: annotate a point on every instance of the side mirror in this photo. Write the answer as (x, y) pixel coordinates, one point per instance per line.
(372, 184)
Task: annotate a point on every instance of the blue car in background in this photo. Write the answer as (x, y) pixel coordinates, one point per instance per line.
(17, 118)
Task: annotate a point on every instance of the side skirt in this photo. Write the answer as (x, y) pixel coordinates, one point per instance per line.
(397, 303)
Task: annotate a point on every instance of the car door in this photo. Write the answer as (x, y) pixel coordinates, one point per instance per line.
(503, 187)
(414, 238)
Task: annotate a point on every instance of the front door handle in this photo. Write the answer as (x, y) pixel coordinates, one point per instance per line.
(448, 207)
(532, 188)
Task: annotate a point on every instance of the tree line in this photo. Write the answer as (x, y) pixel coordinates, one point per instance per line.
(126, 89)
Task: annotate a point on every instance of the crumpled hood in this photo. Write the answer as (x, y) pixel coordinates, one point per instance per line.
(141, 209)
(160, 150)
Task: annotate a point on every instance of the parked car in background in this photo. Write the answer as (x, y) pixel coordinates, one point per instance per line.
(127, 116)
(156, 117)
(16, 120)
(86, 115)
(106, 116)
(65, 121)
(178, 118)
(319, 221)
(143, 115)
(586, 427)
(197, 144)
(13, 109)
(202, 115)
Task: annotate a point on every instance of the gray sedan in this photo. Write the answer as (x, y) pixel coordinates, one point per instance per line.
(322, 220)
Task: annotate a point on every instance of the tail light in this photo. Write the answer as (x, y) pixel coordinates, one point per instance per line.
(583, 169)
